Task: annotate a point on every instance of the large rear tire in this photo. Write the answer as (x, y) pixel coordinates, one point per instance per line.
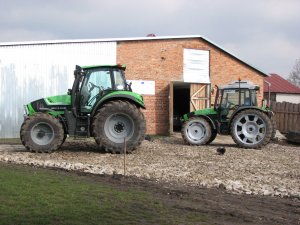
(196, 131)
(42, 132)
(115, 121)
(251, 129)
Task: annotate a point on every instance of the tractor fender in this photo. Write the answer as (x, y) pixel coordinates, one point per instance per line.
(113, 97)
(208, 119)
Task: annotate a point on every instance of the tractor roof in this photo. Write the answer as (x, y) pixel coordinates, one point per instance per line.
(240, 84)
(123, 67)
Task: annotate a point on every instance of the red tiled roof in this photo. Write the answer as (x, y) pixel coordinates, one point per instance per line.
(280, 85)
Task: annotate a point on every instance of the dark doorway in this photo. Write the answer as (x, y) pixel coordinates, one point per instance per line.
(181, 103)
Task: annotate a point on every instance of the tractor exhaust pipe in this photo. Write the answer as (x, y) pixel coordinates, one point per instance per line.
(269, 93)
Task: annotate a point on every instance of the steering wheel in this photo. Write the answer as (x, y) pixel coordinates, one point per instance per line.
(229, 104)
(95, 86)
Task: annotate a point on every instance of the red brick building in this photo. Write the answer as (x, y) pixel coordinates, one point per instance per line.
(161, 59)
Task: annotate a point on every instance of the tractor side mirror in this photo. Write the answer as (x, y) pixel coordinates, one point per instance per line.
(69, 92)
(129, 86)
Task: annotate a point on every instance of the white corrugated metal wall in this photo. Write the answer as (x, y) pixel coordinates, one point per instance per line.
(32, 71)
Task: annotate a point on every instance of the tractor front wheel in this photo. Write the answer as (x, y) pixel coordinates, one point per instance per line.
(42, 132)
(116, 121)
(196, 131)
(251, 129)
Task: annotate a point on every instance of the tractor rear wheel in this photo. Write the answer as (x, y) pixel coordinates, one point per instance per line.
(251, 129)
(196, 131)
(42, 132)
(116, 121)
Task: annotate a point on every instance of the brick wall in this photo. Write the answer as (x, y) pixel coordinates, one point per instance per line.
(162, 61)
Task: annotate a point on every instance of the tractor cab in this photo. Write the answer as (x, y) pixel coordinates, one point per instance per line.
(234, 96)
(94, 82)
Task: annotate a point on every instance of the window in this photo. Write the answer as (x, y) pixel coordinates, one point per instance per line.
(119, 80)
(96, 81)
(230, 97)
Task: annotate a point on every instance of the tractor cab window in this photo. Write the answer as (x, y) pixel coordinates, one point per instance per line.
(229, 102)
(119, 80)
(230, 98)
(233, 98)
(95, 82)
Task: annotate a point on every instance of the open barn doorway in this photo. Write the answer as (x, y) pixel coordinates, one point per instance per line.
(181, 103)
(185, 98)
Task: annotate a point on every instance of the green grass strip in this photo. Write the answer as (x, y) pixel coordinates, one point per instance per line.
(38, 196)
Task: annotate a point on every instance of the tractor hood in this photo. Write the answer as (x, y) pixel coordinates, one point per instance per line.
(56, 103)
(204, 112)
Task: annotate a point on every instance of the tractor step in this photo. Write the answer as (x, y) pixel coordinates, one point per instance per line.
(78, 127)
(82, 127)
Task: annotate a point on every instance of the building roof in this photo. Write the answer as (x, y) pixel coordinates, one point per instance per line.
(280, 85)
(240, 84)
(133, 39)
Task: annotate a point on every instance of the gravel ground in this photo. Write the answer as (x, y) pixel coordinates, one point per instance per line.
(273, 170)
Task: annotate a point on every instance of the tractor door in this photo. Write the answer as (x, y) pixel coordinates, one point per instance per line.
(96, 83)
(229, 101)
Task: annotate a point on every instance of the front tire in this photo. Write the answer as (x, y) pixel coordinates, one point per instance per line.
(196, 131)
(42, 132)
(115, 121)
(251, 129)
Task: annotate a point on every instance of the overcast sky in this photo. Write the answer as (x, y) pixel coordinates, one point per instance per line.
(264, 33)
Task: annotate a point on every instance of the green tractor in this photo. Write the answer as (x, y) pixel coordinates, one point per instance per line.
(235, 113)
(100, 104)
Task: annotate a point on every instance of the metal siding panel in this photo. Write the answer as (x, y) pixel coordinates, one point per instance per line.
(30, 72)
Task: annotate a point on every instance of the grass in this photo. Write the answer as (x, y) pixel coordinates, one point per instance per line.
(38, 196)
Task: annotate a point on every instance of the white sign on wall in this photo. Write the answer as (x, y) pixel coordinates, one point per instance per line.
(196, 66)
(144, 87)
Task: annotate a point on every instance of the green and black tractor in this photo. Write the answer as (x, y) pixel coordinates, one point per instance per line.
(235, 113)
(100, 104)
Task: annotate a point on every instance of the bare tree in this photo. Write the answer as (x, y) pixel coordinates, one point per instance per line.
(294, 76)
